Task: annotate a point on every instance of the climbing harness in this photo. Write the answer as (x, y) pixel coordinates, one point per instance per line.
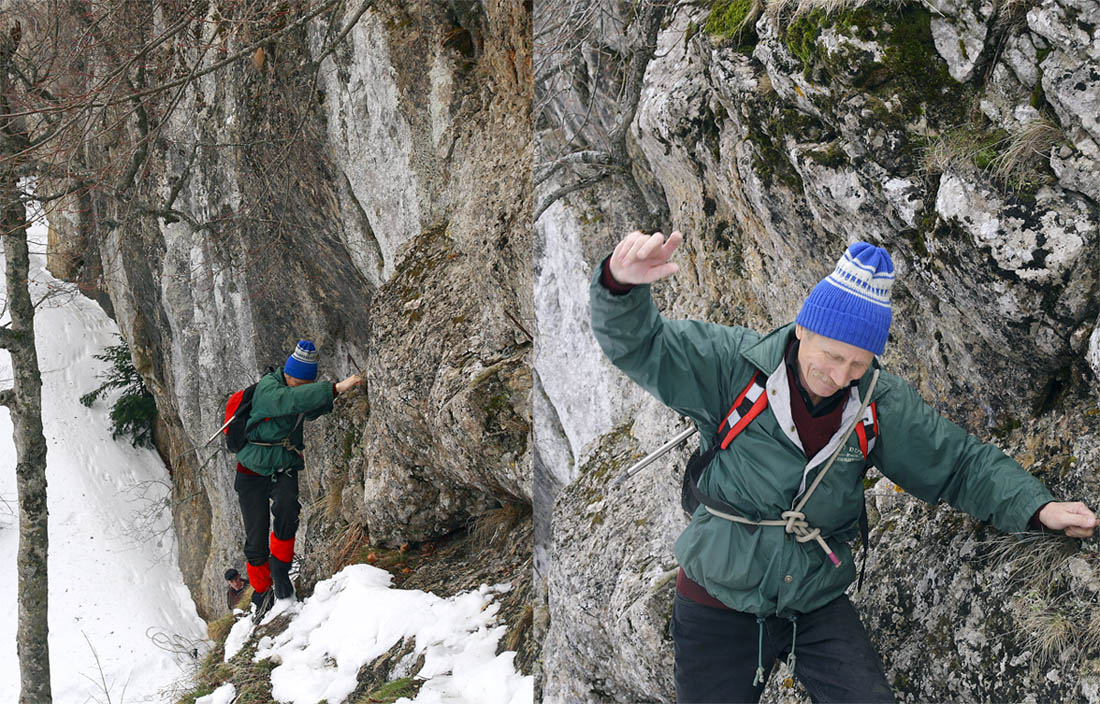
(749, 404)
(286, 443)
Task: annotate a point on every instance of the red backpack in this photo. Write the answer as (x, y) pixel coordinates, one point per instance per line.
(237, 410)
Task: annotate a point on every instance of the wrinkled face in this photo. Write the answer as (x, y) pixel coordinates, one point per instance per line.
(827, 365)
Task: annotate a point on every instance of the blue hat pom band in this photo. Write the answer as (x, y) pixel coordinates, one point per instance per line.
(302, 363)
(852, 304)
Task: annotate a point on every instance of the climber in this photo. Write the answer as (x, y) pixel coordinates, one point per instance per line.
(764, 575)
(268, 466)
(234, 586)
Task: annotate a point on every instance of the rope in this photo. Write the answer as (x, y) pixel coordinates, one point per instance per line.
(794, 521)
(794, 640)
(759, 679)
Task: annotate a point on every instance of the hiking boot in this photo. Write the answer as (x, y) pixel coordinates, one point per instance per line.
(262, 601)
(280, 578)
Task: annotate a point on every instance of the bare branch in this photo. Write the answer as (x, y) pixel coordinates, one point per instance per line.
(247, 51)
(632, 84)
(566, 190)
(347, 28)
(588, 156)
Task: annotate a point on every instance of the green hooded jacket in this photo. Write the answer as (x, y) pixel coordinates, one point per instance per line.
(280, 405)
(698, 369)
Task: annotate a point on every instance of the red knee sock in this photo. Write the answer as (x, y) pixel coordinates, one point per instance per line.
(282, 549)
(259, 577)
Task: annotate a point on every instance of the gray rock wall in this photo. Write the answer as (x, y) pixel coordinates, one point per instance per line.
(771, 150)
(371, 194)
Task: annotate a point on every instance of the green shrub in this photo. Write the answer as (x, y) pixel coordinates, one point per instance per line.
(134, 412)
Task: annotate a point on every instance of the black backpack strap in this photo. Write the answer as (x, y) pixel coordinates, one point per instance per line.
(867, 433)
(752, 401)
(864, 537)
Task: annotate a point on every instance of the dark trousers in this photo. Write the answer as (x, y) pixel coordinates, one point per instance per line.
(716, 654)
(263, 497)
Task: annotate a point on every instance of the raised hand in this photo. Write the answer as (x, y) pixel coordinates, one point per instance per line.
(643, 259)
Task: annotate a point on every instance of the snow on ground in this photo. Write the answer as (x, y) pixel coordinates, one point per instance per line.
(354, 617)
(221, 695)
(115, 590)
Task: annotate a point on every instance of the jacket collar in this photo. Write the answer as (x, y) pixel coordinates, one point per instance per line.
(278, 373)
(766, 354)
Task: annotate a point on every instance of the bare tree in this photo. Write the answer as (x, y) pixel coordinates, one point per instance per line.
(24, 400)
(583, 48)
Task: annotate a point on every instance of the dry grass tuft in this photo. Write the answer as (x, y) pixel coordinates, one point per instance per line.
(347, 546)
(1027, 152)
(960, 149)
(498, 523)
(794, 9)
(1044, 629)
(1032, 558)
(218, 630)
(1014, 160)
(1054, 619)
(1092, 632)
(334, 499)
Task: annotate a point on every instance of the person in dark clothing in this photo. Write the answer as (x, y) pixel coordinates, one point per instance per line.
(235, 586)
(268, 466)
(765, 564)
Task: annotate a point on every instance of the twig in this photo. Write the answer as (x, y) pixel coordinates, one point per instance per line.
(344, 32)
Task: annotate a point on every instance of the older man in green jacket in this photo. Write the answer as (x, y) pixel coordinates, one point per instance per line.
(765, 561)
(268, 465)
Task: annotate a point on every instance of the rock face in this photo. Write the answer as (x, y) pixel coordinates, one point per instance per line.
(959, 136)
(369, 190)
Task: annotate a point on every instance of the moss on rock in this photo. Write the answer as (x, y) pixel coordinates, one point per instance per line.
(909, 66)
(731, 21)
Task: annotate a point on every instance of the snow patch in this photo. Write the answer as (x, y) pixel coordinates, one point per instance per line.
(355, 617)
(221, 695)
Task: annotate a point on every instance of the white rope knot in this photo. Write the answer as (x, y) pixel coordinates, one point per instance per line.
(796, 522)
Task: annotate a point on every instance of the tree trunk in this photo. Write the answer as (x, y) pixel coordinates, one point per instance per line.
(24, 400)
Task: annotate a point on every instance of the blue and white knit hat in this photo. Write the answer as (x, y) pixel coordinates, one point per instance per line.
(302, 363)
(852, 304)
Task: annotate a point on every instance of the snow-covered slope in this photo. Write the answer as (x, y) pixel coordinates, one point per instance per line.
(116, 592)
(354, 617)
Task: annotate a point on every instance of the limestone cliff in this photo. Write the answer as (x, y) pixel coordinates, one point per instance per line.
(960, 136)
(360, 178)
